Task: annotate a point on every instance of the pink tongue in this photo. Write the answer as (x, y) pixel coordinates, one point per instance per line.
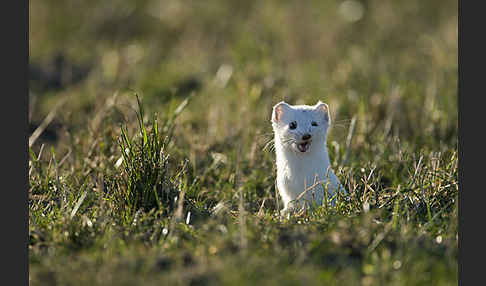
(303, 147)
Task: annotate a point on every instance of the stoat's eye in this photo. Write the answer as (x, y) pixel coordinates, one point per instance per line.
(293, 125)
(314, 123)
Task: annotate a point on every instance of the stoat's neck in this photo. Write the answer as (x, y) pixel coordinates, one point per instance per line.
(288, 158)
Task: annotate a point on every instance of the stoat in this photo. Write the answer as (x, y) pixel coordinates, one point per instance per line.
(301, 154)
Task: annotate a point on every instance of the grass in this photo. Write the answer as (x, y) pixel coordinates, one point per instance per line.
(152, 161)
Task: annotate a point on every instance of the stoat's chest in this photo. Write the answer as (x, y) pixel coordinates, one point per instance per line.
(300, 172)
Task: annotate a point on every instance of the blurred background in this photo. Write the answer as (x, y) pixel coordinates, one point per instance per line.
(391, 64)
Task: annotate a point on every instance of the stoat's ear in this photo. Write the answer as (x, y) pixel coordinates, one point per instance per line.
(279, 111)
(324, 108)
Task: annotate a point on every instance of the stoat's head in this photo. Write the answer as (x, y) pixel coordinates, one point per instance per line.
(301, 127)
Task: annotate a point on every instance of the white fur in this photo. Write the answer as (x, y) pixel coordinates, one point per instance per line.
(298, 170)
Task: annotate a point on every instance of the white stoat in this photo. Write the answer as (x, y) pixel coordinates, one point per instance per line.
(302, 159)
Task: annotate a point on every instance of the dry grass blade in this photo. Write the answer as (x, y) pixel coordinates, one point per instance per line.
(40, 129)
(65, 157)
(349, 139)
(180, 207)
(261, 211)
(99, 116)
(78, 204)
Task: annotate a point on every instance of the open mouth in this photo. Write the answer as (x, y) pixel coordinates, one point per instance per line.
(304, 146)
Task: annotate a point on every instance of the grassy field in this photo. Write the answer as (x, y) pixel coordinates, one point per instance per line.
(151, 159)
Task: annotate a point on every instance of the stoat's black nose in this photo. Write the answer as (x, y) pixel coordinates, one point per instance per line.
(306, 136)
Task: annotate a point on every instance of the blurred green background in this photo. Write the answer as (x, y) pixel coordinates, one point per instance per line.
(364, 58)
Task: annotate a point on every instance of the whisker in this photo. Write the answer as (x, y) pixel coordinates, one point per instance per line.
(343, 121)
(270, 144)
(268, 134)
(340, 125)
(288, 141)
